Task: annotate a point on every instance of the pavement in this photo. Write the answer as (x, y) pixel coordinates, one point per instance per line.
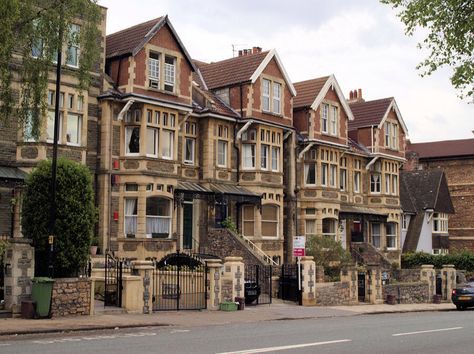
(108, 318)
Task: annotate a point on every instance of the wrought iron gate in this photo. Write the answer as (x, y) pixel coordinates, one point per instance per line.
(361, 286)
(258, 284)
(113, 281)
(180, 283)
(289, 289)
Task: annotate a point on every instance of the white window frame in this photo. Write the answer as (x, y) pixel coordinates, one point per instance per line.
(167, 152)
(50, 119)
(388, 183)
(343, 179)
(275, 159)
(324, 174)
(357, 179)
(307, 167)
(169, 74)
(375, 183)
(375, 236)
(163, 217)
(324, 118)
(405, 222)
(155, 135)
(276, 98)
(248, 156)
(73, 48)
(264, 156)
(277, 221)
(440, 219)
(333, 121)
(134, 217)
(333, 176)
(266, 85)
(78, 127)
(222, 146)
(310, 227)
(128, 135)
(391, 236)
(187, 140)
(154, 70)
(332, 225)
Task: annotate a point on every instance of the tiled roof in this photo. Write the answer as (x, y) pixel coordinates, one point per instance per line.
(230, 71)
(125, 41)
(357, 148)
(427, 189)
(447, 148)
(369, 113)
(212, 102)
(306, 91)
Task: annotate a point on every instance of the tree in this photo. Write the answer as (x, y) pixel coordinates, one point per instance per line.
(29, 42)
(327, 252)
(450, 39)
(76, 216)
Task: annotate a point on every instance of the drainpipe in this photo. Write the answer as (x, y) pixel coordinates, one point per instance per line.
(372, 138)
(371, 162)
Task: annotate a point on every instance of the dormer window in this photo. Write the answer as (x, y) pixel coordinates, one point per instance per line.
(329, 119)
(154, 70)
(170, 71)
(271, 96)
(391, 135)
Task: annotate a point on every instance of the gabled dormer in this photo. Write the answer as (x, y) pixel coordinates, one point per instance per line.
(378, 125)
(320, 111)
(149, 59)
(255, 84)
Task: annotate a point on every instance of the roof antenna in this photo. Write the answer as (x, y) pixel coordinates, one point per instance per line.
(235, 48)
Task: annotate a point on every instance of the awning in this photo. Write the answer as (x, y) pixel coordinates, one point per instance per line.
(235, 193)
(13, 173)
(351, 211)
(192, 187)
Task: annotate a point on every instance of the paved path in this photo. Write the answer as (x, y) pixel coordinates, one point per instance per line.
(275, 311)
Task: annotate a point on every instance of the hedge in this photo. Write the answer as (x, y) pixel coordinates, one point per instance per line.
(462, 260)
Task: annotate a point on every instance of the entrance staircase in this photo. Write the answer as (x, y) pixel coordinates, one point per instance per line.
(225, 243)
(365, 253)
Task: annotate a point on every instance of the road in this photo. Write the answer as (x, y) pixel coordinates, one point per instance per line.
(428, 332)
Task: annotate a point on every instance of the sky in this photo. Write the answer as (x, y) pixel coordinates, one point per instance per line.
(361, 42)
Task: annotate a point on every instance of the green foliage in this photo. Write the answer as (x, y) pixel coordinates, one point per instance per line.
(327, 252)
(230, 225)
(28, 24)
(75, 216)
(3, 247)
(461, 260)
(450, 39)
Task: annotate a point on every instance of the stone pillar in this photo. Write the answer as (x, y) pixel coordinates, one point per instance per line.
(374, 284)
(349, 275)
(132, 294)
(144, 269)
(19, 262)
(449, 280)
(214, 284)
(308, 283)
(233, 279)
(428, 274)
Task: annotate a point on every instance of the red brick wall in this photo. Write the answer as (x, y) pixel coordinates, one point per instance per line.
(300, 120)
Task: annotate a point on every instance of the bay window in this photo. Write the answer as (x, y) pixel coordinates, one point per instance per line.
(248, 155)
(189, 148)
(275, 158)
(132, 140)
(167, 143)
(152, 142)
(332, 175)
(269, 220)
(324, 174)
(50, 127)
(158, 217)
(264, 152)
(221, 153)
(130, 220)
(375, 228)
(329, 228)
(310, 173)
(73, 129)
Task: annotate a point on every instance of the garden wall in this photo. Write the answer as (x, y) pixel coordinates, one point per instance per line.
(71, 297)
(407, 293)
(333, 294)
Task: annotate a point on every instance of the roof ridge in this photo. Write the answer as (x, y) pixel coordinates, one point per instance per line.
(442, 141)
(371, 101)
(314, 79)
(139, 24)
(238, 57)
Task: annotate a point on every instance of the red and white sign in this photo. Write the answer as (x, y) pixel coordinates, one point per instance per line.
(299, 244)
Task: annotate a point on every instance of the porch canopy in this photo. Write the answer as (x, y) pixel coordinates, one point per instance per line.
(193, 190)
(235, 193)
(12, 173)
(356, 212)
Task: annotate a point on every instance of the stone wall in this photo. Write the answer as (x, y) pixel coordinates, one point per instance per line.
(71, 297)
(333, 294)
(407, 293)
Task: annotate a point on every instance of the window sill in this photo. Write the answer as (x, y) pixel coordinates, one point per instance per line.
(162, 91)
(279, 115)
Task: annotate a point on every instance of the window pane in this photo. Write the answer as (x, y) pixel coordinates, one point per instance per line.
(132, 140)
(169, 73)
(275, 158)
(324, 118)
(249, 155)
(310, 227)
(276, 97)
(151, 141)
(310, 173)
(189, 150)
(222, 153)
(72, 54)
(264, 157)
(167, 144)
(266, 95)
(269, 220)
(73, 134)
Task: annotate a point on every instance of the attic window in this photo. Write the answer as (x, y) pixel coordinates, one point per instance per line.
(223, 94)
(154, 70)
(169, 73)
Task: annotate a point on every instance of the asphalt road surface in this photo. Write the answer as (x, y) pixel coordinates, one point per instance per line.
(427, 332)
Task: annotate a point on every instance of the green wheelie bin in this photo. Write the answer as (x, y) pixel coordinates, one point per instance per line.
(41, 292)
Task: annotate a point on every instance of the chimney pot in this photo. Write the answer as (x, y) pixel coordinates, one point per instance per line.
(351, 95)
(359, 94)
(355, 94)
(240, 53)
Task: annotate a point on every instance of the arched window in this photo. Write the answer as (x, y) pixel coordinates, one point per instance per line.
(270, 220)
(158, 217)
(329, 228)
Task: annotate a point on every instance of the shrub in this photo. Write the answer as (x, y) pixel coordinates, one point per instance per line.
(328, 253)
(461, 260)
(75, 216)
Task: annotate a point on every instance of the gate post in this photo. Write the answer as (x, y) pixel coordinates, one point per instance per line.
(308, 284)
(428, 275)
(233, 281)
(374, 283)
(144, 269)
(449, 280)
(349, 275)
(19, 267)
(214, 284)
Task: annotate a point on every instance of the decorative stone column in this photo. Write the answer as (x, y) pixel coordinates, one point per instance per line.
(349, 275)
(144, 269)
(374, 284)
(233, 279)
(448, 274)
(19, 263)
(308, 276)
(214, 284)
(428, 274)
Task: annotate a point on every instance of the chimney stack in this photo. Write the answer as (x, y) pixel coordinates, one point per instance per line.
(240, 53)
(359, 95)
(356, 96)
(256, 50)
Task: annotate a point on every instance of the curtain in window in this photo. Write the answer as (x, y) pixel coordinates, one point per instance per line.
(269, 220)
(158, 216)
(130, 216)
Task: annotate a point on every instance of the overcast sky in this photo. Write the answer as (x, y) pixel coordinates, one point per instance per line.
(361, 42)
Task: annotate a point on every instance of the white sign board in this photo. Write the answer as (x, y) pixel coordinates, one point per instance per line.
(299, 244)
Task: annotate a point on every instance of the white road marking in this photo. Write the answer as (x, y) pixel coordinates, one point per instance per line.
(4, 344)
(99, 337)
(427, 331)
(287, 347)
(179, 331)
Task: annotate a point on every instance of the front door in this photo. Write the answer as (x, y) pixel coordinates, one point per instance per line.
(357, 234)
(188, 225)
(221, 213)
(361, 286)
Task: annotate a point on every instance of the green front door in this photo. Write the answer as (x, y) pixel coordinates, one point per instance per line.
(187, 225)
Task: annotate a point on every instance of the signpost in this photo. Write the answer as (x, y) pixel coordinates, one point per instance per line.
(299, 244)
